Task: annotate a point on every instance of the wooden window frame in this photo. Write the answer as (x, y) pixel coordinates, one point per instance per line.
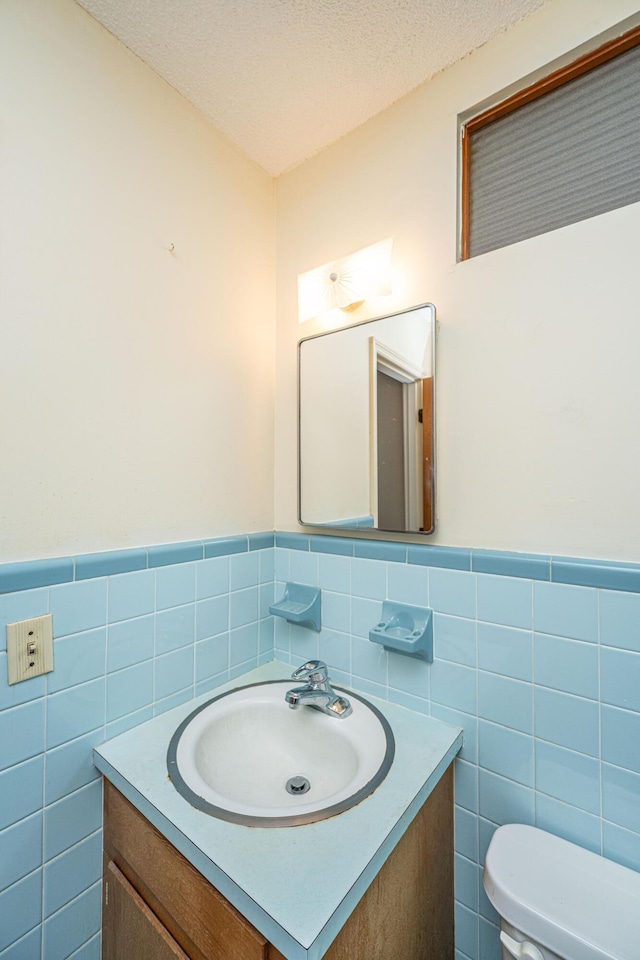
(595, 58)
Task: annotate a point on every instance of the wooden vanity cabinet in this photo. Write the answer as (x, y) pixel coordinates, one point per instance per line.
(157, 906)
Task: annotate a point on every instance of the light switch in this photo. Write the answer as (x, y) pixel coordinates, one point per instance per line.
(29, 648)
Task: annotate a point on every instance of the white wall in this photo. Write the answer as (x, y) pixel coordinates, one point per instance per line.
(136, 385)
(539, 343)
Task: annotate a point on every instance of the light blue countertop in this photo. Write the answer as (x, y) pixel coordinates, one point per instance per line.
(296, 885)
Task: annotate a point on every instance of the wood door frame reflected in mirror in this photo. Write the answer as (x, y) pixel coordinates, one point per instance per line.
(337, 422)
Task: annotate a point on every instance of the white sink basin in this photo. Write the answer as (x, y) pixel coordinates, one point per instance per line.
(234, 756)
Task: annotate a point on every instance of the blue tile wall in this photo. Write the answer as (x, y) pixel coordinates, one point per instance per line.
(135, 633)
(537, 658)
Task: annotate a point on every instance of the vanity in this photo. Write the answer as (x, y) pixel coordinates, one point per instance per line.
(375, 880)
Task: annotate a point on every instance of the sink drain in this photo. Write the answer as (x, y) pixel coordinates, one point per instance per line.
(298, 785)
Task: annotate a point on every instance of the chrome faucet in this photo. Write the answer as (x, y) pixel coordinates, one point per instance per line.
(318, 692)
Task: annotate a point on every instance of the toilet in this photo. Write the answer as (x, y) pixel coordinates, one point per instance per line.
(558, 901)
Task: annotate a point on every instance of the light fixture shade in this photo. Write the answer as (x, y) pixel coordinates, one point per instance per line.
(343, 282)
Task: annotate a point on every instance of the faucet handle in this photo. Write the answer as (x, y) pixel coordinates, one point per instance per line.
(313, 670)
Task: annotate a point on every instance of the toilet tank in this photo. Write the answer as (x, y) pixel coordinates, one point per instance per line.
(573, 902)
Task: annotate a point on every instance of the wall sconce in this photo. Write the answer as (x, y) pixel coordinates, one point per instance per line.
(346, 282)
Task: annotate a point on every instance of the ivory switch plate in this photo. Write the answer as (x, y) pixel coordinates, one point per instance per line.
(29, 648)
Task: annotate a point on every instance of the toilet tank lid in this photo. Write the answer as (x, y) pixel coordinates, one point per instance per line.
(568, 899)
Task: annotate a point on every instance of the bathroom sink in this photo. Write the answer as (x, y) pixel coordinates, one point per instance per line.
(246, 757)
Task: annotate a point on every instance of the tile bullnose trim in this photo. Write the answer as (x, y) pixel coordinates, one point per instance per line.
(27, 574)
(453, 558)
(90, 565)
(531, 566)
(604, 574)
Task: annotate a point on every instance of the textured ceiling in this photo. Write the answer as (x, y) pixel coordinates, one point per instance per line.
(284, 78)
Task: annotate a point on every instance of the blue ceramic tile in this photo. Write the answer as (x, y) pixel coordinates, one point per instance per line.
(243, 607)
(592, 573)
(334, 573)
(569, 776)
(262, 541)
(26, 948)
(176, 585)
(338, 545)
(620, 678)
(72, 926)
(381, 550)
(35, 573)
(454, 686)
(408, 583)
(567, 665)
(72, 819)
(466, 882)
(173, 672)
(466, 833)
(131, 595)
(77, 658)
(621, 738)
(369, 579)
(453, 592)
(530, 566)
(487, 910)
(282, 565)
(174, 700)
(336, 611)
(212, 617)
(304, 644)
(506, 601)
(91, 565)
(116, 727)
(505, 701)
(466, 784)
(21, 790)
(454, 639)
(243, 571)
(505, 650)
(505, 752)
(21, 606)
(265, 640)
(620, 620)
(486, 830)
(265, 598)
(169, 553)
(504, 801)
(408, 700)
(267, 563)
(469, 727)
(21, 733)
(72, 873)
(21, 909)
(490, 948)
(212, 656)
(20, 849)
(335, 650)
(89, 950)
(78, 606)
(466, 928)
(129, 690)
(408, 674)
(281, 638)
(211, 683)
(569, 721)
(364, 615)
(620, 845)
(568, 822)
(292, 541)
(304, 568)
(129, 642)
(212, 577)
(243, 644)
(370, 688)
(175, 628)
(453, 558)
(12, 695)
(368, 661)
(620, 792)
(71, 765)
(225, 546)
(74, 712)
(566, 611)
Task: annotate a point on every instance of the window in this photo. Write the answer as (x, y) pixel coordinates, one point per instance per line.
(562, 150)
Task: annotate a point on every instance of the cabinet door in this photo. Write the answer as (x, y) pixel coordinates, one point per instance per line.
(129, 928)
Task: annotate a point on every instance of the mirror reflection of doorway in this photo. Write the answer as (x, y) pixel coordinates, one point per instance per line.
(391, 453)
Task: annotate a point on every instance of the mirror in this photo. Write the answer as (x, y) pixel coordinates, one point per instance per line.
(366, 424)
